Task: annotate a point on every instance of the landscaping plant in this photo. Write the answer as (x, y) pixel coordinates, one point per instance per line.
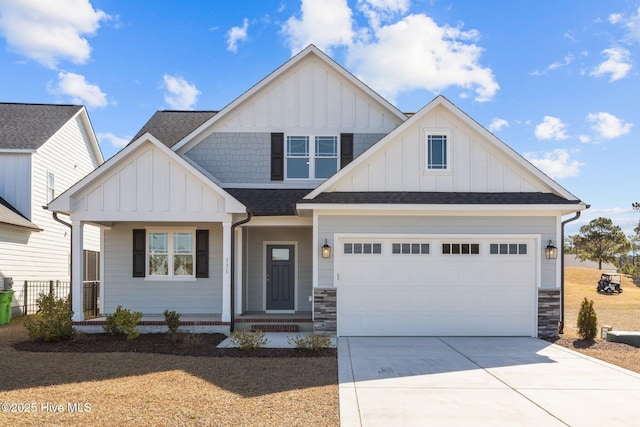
(52, 321)
(247, 340)
(587, 320)
(310, 342)
(123, 322)
(172, 319)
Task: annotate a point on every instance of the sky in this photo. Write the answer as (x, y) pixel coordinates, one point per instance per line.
(558, 81)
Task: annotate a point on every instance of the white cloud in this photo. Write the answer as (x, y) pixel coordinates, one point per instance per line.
(325, 23)
(50, 31)
(557, 163)
(608, 126)
(551, 128)
(114, 140)
(614, 18)
(617, 65)
(237, 34)
(180, 95)
(79, 90)
(568, 59)
(584, 138)
(631, 24)
(497, 124)
(378, 11)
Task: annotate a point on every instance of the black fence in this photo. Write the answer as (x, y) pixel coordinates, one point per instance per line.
(33, 289)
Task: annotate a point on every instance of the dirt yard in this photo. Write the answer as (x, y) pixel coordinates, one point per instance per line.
(134, 388)
(621, 311)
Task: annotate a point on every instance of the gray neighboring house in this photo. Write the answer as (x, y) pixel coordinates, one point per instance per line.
(312, 197)
(44, 149)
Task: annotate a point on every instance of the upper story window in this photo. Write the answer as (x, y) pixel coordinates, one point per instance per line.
(51, 186)
(311, 157)
(437, 151)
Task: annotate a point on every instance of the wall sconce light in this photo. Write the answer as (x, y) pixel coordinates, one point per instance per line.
(551, 251)
(326, 250)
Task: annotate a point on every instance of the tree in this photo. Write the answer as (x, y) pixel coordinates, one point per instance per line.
(600, 241)
(636, 206)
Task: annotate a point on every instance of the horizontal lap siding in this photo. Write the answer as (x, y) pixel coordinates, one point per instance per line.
(329, 225)
(200, 296)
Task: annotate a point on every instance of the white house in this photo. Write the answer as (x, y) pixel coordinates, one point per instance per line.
(310, 196)
(44, 149)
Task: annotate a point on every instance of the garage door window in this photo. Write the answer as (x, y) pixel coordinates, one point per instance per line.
(363, 248)
(410, 248)
(508, 248)
(461, 248)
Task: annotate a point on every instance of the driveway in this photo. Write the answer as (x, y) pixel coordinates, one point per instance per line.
(479, 381)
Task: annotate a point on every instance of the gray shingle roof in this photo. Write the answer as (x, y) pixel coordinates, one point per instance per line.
(28, 126)
(265, 202)
(10, 216)
(438, 198)
(171, 126)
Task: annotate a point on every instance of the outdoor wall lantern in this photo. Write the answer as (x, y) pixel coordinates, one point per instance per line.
(326, 250)
(551, 251)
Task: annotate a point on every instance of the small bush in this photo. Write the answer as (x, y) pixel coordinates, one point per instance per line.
(123, 322)
(310, 342)
(587, 320)
(172, 319)
(53, 321)
(247, 340)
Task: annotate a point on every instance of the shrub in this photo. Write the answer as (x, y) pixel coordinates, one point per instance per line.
(247, 340)
(53, 321)
(310, 342)
(123, 322)
(172, 319)
(587, 320)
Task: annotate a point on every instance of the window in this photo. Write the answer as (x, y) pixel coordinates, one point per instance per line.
(410, 248)
(51, 186)
(508, 248)
(317, 160)
(461, 248)
(363, 248)
(437, 152)
(170, 254)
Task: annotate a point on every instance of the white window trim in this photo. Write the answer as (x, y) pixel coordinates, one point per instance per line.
(171, 232)
(51, 190)
(448, 156)
(312, 156)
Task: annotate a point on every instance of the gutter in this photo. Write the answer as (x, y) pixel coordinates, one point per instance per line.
(55, 217)
(561, 325)
(233, 269)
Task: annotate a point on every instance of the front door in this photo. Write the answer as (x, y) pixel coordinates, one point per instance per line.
(280, 277)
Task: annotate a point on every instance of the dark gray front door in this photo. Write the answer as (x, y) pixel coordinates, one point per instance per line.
(280, 277)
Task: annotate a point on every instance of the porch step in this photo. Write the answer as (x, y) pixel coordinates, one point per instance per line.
(275, 328)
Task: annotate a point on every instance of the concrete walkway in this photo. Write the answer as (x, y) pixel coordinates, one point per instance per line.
(480, 382)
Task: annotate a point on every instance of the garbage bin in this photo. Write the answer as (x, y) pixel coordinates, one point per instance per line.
(5, 306)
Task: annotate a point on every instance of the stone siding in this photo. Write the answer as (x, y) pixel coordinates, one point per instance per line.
(324, 311)
(362, 142)
(548, 312)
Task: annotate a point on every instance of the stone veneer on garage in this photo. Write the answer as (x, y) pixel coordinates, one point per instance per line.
(548, 312)
(324, 311)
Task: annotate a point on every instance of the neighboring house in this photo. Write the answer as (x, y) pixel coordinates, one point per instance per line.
(44, 149)
(311, 194)
(571, 260)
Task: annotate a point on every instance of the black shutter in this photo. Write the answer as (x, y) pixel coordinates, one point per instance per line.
(346, 149)
(277, 157)
(139, 243)
(202, 253)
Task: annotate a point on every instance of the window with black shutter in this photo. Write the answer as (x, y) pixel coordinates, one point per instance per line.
(277, 157)
(202, 253)
(139, 244)
(346, 149)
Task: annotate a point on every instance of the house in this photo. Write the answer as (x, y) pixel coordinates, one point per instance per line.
(312, 196)
(44, 149)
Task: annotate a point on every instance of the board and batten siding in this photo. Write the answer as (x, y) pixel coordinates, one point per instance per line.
(254, 286)
(475, 164)
(195, 296)
(462, 226)
(15, 181)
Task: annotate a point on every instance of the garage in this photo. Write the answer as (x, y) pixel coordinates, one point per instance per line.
(436, 286)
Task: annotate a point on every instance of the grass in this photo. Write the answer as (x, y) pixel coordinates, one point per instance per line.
(621, 311)
(158, 389)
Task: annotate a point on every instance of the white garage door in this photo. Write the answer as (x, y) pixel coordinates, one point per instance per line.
(436, 287)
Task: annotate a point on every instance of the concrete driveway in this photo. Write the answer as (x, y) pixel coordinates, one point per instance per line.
(480, 381)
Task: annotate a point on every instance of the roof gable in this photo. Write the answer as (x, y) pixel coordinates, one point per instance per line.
(171, 126)
(478, 161)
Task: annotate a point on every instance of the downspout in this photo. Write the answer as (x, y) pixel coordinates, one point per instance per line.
(55, 217)
(233, 268)
(561, 325)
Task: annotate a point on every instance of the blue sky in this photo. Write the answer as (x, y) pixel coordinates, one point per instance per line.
(558, 81)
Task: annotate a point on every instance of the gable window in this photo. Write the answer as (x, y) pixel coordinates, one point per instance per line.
(437, 152)
(51, 186)
(311, 157)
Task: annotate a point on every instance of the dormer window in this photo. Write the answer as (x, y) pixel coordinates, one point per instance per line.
(311, 157)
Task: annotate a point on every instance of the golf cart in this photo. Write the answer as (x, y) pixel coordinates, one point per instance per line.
(609, 283)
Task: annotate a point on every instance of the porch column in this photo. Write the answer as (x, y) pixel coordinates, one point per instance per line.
(226, 271)
(77, 270)
(238, 269)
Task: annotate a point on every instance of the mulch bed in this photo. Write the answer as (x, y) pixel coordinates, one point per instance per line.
(181, 344)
